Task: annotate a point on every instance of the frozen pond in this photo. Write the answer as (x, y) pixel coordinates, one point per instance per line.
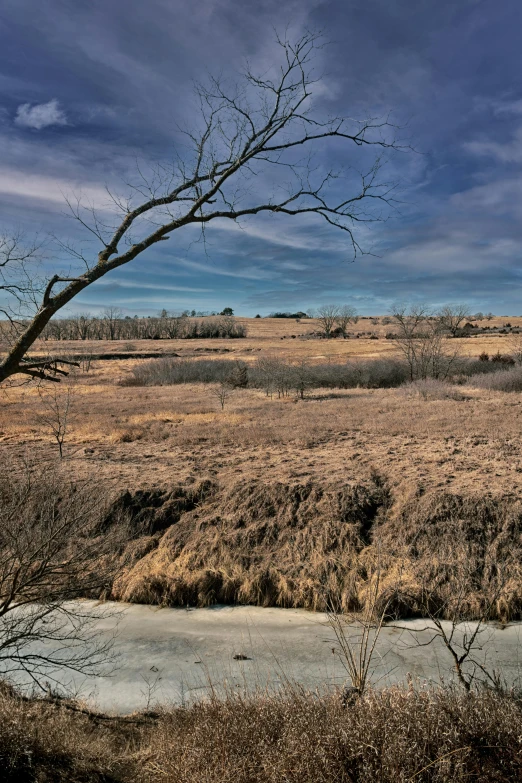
(176, 655)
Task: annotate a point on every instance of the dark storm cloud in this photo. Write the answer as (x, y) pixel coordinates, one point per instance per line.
(88, 85)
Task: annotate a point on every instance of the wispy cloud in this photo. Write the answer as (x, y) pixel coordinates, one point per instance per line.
(40, 115)
(250, 273)
(50, 189)
(114, 285)
(505, 152)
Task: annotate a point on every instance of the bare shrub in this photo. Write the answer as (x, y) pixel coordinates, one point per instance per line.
(272, 374)
(501, 380)
(433, 389)
(481, 366)
(514, 343)
(421, 342)
(55, 411)
(303, 378)
(46, 562)
(129, 434)
(357, 633)
(222, 393)
(170, 371)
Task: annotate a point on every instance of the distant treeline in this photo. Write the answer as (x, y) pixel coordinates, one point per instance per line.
(297, 315)
(112, 325)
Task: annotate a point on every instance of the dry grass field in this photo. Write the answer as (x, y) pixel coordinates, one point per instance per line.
(282, 337)
(151, 434)
(276, 501)
(390, 461)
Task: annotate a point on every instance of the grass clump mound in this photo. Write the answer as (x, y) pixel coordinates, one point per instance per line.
(434, 736)
(275, 544)
(300, 545)
(264, 544)
(453, 554)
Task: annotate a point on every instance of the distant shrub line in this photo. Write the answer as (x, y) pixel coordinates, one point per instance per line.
(272, 375)
(278, 377)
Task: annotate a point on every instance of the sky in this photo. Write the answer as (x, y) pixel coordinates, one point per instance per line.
(92, 89)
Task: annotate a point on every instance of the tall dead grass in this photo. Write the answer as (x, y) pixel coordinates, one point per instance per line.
(439, 736)
(269, 545)
(300, 545)
(502, 380)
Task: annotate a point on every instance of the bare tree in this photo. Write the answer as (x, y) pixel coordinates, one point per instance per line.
(222, 392)
(302, 377)
(451, 317)
(20, 282)
(276, 375)
(327, 316)
(55, 411)
(47, 561)
(111, 319)
(514, 342)
(421, 341)
(268, 124)
(82, 323)
(345, 316)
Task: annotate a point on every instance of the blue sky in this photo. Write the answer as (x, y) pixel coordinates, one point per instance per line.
(87, 87)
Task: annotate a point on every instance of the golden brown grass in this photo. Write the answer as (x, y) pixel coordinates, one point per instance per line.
(275, 336)
(437, 736)
(309, 544)
(463, 453)
(304, 544)
(145, 436)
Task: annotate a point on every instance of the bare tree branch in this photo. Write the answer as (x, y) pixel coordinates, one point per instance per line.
(249, 134)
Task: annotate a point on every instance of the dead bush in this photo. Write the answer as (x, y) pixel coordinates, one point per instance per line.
(389, 736)
(273, 375)
(128, 434)
(501, 380)
(433, 389)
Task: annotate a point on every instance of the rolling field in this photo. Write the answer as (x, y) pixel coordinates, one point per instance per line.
(266, 465)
